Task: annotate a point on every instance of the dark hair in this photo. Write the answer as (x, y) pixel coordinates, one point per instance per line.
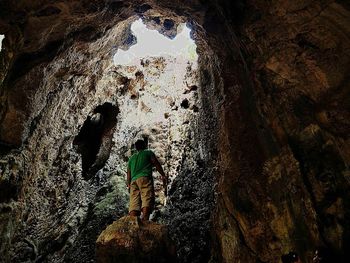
(290, 257)
(140, 145)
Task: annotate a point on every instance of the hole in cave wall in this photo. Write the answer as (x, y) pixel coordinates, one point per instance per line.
(8, 191)
(96, 128)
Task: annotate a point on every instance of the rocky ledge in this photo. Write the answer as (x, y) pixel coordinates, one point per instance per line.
(131, 240)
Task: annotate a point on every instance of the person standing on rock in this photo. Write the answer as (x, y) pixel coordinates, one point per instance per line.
(140, 181)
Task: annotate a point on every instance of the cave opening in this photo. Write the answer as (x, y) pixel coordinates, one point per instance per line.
(96, 128)
(147, 41)
(160, 75)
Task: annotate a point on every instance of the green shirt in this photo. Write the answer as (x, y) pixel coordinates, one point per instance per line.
(140, 164)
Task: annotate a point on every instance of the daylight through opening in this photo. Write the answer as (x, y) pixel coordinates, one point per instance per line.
(161, 78)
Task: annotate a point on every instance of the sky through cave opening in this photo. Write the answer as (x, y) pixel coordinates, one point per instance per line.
(160, 78)
(152, 43)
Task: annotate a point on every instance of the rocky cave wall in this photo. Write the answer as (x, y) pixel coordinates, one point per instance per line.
(272, 132)
(294, 143)
(72, 147)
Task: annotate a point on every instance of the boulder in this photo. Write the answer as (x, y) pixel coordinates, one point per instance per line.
(131, 240)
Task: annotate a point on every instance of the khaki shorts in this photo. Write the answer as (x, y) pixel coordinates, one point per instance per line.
(141, 193)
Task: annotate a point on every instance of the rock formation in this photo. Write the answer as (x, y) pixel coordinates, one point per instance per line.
(131, 240)
(258, 153)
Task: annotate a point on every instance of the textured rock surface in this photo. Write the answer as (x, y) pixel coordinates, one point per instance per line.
(271, 133)
(131, 240)
(300, 84)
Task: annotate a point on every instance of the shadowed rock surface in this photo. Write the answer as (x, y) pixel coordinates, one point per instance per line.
(263, 165)
(131, 240)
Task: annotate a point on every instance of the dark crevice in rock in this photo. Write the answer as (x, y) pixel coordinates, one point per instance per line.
(8, 191)
(185, 104)
(5, 148)
(168, 24)
(89, 141)
(304, 109)
(156, 19)
(95, 130)
(11, 181)
(190, 89)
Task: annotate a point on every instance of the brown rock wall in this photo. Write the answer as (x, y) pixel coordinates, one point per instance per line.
(297, 77)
